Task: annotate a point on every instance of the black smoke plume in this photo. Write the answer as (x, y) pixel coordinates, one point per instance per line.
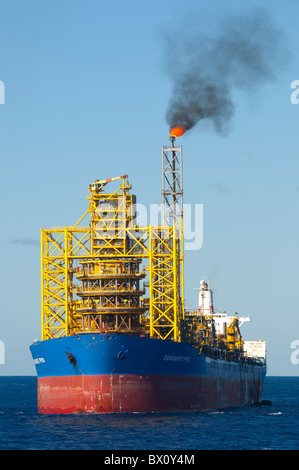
(245, 53)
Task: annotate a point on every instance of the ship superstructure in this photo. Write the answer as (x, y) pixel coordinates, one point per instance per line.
(92, 275)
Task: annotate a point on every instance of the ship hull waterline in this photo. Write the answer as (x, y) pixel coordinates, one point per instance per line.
(127, 374)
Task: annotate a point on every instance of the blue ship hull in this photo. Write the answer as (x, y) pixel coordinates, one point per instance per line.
(122, 373)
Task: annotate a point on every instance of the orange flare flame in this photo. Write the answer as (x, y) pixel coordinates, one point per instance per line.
(177, 131)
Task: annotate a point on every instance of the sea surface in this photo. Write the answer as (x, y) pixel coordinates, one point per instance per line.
(274, 427)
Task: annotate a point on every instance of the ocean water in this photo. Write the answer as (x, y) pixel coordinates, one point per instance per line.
(273, 427)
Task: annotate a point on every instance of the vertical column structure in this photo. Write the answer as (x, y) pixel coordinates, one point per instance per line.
(166, 266)
(54, 300)
(172, 185)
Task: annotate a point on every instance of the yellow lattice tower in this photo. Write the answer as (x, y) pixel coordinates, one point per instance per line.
(102, 292)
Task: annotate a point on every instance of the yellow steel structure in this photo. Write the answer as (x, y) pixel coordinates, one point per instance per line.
(234, 338)
(91, 274)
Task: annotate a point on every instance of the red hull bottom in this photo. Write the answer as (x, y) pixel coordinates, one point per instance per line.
(134, 393)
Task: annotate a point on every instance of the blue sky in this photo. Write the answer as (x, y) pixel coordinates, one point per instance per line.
(86, 93)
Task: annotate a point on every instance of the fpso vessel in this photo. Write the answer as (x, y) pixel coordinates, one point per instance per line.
(116, 336)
